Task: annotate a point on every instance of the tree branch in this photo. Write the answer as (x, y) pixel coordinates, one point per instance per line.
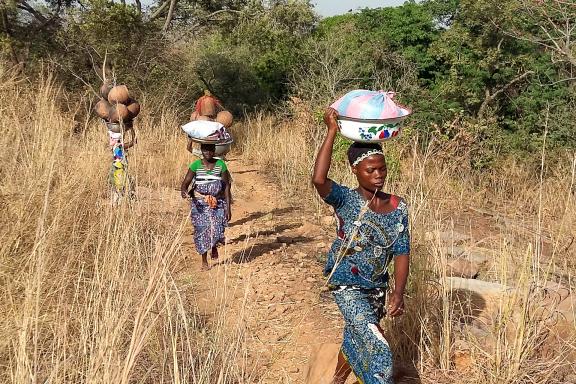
(491, 97)
(207, 18)
(170, 15)
(8, 32)
(138, 6)
(26, 7)
(159, 10)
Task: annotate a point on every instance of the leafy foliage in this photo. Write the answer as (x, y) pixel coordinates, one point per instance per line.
(494, 68)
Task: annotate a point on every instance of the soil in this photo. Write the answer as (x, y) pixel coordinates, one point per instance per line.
(270, 274)
(269, 280)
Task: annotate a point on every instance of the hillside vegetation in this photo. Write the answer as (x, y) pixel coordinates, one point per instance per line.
(490, 70)
(97, 294)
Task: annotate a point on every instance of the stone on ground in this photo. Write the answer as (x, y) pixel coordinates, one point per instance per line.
(322, 364)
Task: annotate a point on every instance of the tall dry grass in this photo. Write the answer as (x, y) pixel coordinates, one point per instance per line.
(525, 214)
(91, 293)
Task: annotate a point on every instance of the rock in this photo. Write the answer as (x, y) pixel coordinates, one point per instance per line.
(558, 303)
(462, 268)
(280, 310)
(543, 313)
(476, 299)
(309, 230)
(285, 240)
(320, 245)
(478, 286)
(462, 356)
(481, 336)
(328, 221)
(310, 279)
(473, 254)
(278, 297)
(478, 255)
(452, 251)
(282, 336)
(557, 293)
(322, 364)
(447, 237)
(294, 370)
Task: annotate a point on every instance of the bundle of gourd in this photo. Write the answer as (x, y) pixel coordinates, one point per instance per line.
(116, 105)
(209, 108)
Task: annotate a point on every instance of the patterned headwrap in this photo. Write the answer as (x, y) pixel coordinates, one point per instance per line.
(359, 151)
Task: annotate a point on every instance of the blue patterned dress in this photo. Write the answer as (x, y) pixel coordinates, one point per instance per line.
(209, 222)
(356, 267)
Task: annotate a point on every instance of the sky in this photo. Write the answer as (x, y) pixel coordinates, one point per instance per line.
(338, 7)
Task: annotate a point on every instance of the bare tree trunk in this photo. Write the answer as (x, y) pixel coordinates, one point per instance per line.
(138, 6)
(26, 7)
(159, 10)
(490, 97)
(8, 32)
(170, 15)
(554, 23)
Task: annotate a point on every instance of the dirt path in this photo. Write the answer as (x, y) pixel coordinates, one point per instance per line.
(269, 273)
(269, 276)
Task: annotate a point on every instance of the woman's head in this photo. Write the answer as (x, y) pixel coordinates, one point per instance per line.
(208, 151)
(368, 164)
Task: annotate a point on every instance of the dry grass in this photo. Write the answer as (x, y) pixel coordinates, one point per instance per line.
(90, 293)
(93, 294)
(525, 214)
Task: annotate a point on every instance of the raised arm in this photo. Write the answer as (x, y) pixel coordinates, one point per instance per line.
(189, 146)
(324, 158)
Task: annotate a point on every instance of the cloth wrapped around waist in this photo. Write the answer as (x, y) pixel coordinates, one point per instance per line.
(210, 192)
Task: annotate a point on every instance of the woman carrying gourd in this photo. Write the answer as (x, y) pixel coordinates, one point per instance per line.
(210, 210)
(372, 231)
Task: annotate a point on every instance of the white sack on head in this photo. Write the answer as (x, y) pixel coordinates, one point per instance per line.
(201, 129)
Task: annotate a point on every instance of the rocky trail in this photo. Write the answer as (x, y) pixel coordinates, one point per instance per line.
(270, 275)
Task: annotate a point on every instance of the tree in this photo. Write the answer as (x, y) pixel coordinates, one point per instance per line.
(548, 23)
(26, 29)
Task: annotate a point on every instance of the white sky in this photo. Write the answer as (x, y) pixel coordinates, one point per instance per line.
(335, 7)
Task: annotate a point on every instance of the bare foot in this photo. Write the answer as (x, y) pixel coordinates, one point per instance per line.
(214, 255)
(205, 267)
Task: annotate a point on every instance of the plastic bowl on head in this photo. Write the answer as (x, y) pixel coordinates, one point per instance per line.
(222, 149)
(369, 116)
(366, 131)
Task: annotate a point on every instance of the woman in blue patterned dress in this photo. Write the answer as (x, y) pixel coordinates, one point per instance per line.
(372, 231)
(210, 201)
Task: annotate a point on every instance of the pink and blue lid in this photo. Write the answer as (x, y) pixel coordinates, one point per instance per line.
(369, 105)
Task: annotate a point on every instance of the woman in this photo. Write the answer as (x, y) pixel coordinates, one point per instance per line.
(372, 230)
(120, 140)
(211, 209)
